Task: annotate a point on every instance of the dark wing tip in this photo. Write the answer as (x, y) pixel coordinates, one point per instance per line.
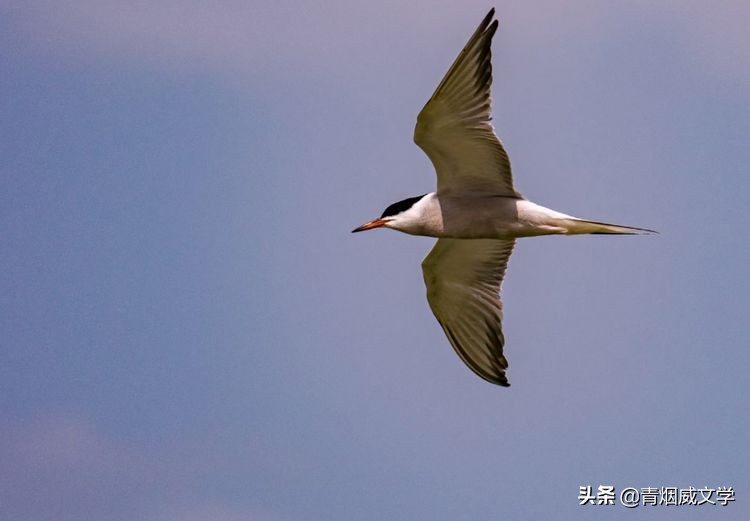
(493, 28)
(498, 378)
(496, 374)
(486, 22)
(479, 41)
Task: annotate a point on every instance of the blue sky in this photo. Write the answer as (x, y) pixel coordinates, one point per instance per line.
(189, 331)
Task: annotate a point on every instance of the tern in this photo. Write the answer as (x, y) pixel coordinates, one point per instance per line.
(476, 212)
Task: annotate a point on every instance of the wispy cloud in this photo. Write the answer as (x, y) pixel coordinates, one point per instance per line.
(63, 464)
(284, 39)
(236, 37)
(212, 513)
(58, 443)
(269, 46)
(59, 463)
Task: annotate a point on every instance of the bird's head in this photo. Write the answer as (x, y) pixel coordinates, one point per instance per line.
(398, 216)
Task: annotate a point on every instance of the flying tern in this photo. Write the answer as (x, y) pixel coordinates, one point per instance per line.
(476, 212)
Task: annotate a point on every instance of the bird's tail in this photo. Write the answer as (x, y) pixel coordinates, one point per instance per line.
(594, 227)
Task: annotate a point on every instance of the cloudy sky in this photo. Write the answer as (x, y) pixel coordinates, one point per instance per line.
(188, 330)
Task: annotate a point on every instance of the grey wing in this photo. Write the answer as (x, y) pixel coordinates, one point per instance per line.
(463, 279)
(454, 126)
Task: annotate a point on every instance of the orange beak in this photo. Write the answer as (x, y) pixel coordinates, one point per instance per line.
(377, 223)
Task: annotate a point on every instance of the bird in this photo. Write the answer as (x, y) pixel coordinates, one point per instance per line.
(476, 214)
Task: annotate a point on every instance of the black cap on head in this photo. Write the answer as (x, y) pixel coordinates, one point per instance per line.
(401, 206)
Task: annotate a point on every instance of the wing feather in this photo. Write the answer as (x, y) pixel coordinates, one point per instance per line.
(463, 279)
(454, 128)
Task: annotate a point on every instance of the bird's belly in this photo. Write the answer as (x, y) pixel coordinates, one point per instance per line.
(495, 218)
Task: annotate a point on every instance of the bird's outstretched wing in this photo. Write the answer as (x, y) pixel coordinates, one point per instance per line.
(463, 278)
(454, 126)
